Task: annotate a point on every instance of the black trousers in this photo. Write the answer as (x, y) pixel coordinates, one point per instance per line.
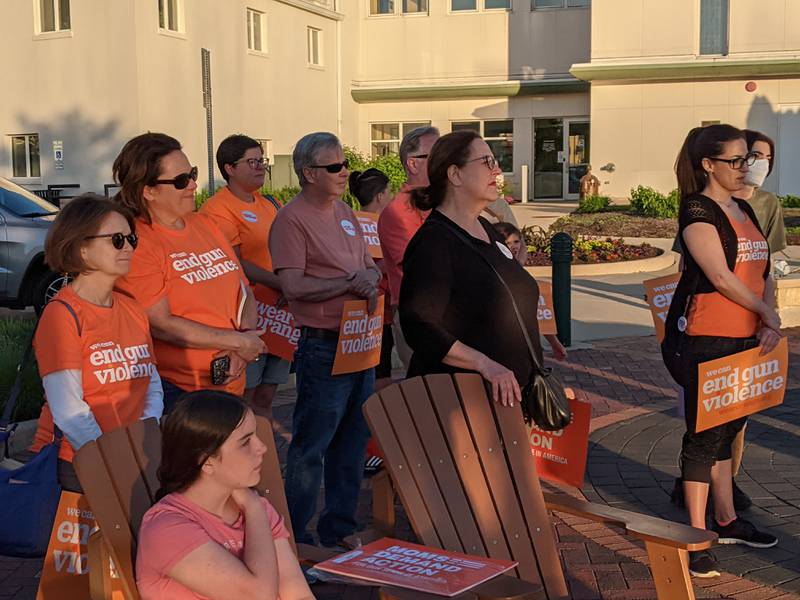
(701, 450)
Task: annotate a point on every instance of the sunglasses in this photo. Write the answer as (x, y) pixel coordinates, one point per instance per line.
(181, 182)
(118, 239)
(333, 167)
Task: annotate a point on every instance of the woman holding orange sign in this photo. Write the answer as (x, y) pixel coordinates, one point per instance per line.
(724, 304)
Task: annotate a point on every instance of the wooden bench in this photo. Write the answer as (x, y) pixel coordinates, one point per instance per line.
(464, 472)
(118, 475)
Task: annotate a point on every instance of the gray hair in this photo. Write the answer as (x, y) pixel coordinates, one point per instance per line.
(410, 143)
(306, 150)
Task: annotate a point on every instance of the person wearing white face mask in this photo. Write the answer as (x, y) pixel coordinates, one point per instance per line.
(766, 205)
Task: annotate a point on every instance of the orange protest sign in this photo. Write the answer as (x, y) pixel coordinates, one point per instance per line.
(741, 384)
(282, 332)
(561, 455)
(65, 573)
(360, 336)
(411, 566)
(658, 293)
(369, 228)
(544, 311)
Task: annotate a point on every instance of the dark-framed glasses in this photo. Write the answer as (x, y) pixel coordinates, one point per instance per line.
(253, 163)
(738, 162)
(117, 239)
(420, 156)
(333, 167)
(181, 182)
(488, 160)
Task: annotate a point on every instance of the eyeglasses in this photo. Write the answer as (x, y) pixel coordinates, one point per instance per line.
(118, 239)
(181, 182)
(488, 160)
(419, 156)
(253, 163)
(738, 162)
(333, 167)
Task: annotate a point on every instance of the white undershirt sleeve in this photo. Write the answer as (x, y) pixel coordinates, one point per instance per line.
(154, 399)
(64, 391)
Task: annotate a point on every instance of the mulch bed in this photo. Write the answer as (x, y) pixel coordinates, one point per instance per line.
(616, 224)
(620, 252)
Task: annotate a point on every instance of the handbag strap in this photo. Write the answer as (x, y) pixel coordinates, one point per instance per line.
(6, 427)
(462, 236)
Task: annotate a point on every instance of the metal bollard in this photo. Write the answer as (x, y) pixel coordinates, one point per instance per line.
(561, 257)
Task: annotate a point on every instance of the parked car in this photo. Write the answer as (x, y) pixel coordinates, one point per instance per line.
(24, 221)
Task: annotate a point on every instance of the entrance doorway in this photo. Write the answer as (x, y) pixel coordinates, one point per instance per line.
(560, 157)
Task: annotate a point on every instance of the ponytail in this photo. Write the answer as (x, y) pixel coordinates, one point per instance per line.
(366, 185)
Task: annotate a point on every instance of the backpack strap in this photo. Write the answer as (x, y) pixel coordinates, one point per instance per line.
(73, 313)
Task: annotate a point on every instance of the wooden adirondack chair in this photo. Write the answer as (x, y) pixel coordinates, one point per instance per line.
(118, 475)
(463, 468)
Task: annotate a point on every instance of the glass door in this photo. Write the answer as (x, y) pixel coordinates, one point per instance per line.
(576, 141)
(548, 156)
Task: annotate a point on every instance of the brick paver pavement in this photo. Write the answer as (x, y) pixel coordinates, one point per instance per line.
(632, 463)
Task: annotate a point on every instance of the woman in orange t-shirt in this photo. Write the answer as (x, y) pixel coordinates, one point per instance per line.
(185, 274)
(92, 344)
(724, 303)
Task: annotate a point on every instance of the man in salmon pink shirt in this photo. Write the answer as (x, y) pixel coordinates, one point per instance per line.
(322, 261)
(400, 220)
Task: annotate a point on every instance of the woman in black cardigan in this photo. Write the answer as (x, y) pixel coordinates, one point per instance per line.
(455, 313)
(724, 304)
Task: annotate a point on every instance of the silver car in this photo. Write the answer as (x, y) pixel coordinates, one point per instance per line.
(24, 221)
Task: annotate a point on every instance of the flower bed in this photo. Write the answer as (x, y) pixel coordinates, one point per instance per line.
(585, 250)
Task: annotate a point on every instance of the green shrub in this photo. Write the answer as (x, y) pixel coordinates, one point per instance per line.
(282, 194)
(790, 201)
(647, 202)
(389, 164)
(14, 335)
(200, 197)
(593, 204)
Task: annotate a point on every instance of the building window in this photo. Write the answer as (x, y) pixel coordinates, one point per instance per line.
(462, 5)
(498, 134)
(314, 46)
(536, 4)
(53, 15)
(493, 4)
(168, 15)
(415, 6)
(256, 31)
(385, 137)
(25, 155)
(714, 27)
(381, 7)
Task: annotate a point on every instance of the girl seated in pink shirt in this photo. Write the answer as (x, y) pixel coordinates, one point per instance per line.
(210, 535)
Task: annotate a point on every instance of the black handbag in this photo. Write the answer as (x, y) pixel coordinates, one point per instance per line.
(544, 400)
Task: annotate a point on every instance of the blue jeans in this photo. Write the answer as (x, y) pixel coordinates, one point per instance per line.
(329, 436)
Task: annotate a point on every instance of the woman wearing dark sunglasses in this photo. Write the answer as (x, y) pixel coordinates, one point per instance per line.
(724, 304)
(93, 344)
(185, 274)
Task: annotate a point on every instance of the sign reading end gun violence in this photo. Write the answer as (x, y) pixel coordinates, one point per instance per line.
(360, 337)
(415, 567)
(544, 311)
(658, 293)
(735, 386)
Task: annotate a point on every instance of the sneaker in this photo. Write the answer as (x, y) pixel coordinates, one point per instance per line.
(741, 501)
(372, 465)
(740, 531)
(677, 494)
(703, 565)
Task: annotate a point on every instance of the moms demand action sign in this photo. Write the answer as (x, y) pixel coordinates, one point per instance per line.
(415, 567)
(741, 384)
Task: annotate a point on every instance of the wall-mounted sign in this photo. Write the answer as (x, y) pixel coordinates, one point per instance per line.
(58, 155)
